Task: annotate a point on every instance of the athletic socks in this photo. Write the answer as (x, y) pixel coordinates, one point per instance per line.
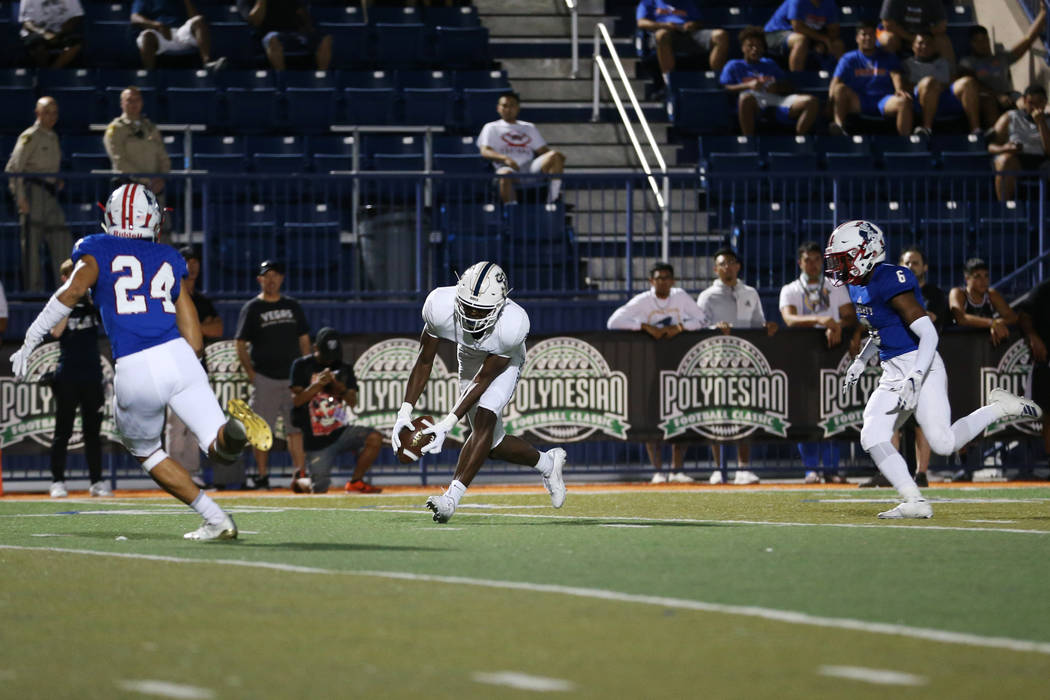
(456, 490)
(208, 509)
(895, 469)
(667, 79)
(545, 464)
(554, 192)
(968, 427)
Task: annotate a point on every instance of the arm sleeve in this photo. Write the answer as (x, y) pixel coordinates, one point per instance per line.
(923, 328)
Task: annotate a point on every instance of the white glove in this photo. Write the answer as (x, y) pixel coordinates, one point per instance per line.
(909, 392)
(404, 420)
(852, 375)
(20, 362)
(439, 430)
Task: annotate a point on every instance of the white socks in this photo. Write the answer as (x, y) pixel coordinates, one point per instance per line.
(208, 509)
(456, 490)
(667, 79)
(895, 469)
(968, 427)
(554, 191)
(545, 464)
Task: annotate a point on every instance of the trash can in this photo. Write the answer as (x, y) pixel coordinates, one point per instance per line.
(387, 241)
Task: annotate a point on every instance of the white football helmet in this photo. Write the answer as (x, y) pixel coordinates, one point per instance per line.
(854, 249)
(480, 296)
(132, 212)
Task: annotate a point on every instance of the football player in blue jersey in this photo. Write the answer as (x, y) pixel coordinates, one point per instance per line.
(889, 304)
(155, 336)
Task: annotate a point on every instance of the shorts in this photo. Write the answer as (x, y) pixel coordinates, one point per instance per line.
(293, 42)
(273, 400)
(700, 40)
(181, 41)
(776, 106)
(31, 40)
(777, 42)
(874, 105)
(496, 398)
(948, 104)
(319, 462)
(533, 166)
(166, 375)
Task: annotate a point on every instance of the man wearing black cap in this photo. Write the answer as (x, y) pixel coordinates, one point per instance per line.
(275, 326)
(324, 389)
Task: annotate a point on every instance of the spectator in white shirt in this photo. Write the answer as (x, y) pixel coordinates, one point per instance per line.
(517, 146)
(52, 31)
(663, 312)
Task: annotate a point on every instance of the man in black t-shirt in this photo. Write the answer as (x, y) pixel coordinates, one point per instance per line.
(323, 390)
(285, 26)
(1034, 318)
(275, 326)
(78, 382)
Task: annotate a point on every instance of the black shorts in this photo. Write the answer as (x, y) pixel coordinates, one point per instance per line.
(1041, 386)
(32, 40)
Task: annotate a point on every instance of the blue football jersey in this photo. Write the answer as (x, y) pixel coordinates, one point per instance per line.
(138, 283)
(872, 302)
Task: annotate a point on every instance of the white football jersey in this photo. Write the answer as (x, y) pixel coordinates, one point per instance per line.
(506, 338)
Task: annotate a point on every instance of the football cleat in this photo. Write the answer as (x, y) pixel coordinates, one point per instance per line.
(745, 478)
(553, 482)
(443, 508)
(659, 478)
(257, 431)
(908, 509)
(100, 490)
(226, 530)
(361, 486)
(1013, 406)
(58, 489)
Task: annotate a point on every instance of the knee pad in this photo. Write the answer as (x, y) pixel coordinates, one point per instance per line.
(941, 441)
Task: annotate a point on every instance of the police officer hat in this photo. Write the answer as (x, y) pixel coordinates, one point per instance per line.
(329, 347)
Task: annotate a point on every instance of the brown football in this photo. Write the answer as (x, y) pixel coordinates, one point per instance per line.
(413, 440)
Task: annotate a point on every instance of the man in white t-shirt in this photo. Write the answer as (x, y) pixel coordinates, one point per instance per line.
(52, 31)
(663, 312)
(516, 146)
(728, 304)
(812, 302)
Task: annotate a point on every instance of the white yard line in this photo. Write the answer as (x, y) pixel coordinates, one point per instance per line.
(872, 675)
(786, 616)
(524, 681)
(166, 689)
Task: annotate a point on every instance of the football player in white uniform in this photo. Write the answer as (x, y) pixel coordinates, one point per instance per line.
(489, 331)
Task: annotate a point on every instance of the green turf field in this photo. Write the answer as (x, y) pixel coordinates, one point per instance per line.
(621, 594)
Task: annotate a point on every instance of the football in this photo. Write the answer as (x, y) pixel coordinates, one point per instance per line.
(413, 440)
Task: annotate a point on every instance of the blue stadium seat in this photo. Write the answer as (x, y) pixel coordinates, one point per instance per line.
(397, 161)
(399, 45)
(19, 104)
(312, 246)
(78, 107)
(82, 218)
(335, 14)
(454, 144)
(539, 252)
(222, 154)
(249, 79)
(333, 152)
(123, 77)
(394, 15)
(472, 232)
(392, 143)
(150, 102)
(252, 109)
(965, 161)
(191, 105)
(110, 45)
(479, 106)
(857, 143)
(428, 105)
(351, 45)
(733, 163)
(767, 236)
(431, 79)
(811, 82)
(695, 80)
(460, 163)
(174, 147)
(848, 162)
(368, 79)
(786, 143)
(311, 109)
(86, 162)
(960, 15)
(76, 77)
(948, 214)
(461, 47)
(726, 143)
(17, 78)
(481, 79)
(248, 236)
(234, 41)
(316, 79)
(106, 12)
(277, 154)
(700, 111)
(908, 161)
(369, 105)
(466, 16)
(791, 162)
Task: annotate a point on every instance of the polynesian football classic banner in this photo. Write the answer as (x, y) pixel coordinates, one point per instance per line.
(598, 386)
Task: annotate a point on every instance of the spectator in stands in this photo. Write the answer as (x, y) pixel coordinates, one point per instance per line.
(903, 19)
(978, 305)
(38, 155)
(52, 31)
(1020, 141)
(284, 27)
(77, 381)
(676, 29)
(801, 26)
(180, 441)
(663, 312)
(869, 81)
(1034, 320)
(812, 302)
(729, 303)
(992, 69)
(517, 146)
(275, 326)
(134, 144)
(938, 90)
(324, 389)
(3, 310)
(171, 27)
(763, 89)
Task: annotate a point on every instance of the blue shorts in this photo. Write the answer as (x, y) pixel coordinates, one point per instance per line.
(874, 105)
(294, 42)
(948, 104)
(782, 115)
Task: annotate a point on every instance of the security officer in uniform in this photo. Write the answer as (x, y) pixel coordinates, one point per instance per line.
(135, 145)
(43, 221)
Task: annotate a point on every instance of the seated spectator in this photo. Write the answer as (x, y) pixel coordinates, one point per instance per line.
(869, 81)
(52, 31)
(517, 146)
(285, 26)
(992, 70)
(936, 92)
(801, 26)
(762, 87)
(903, 19)
(171, 27)
(676, 29)
(978, 305)
(323, 389)
(729, 303)
(663, 312)
(1021, 141)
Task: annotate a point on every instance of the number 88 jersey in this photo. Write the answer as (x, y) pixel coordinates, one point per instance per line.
(872, 302)
(138, 283)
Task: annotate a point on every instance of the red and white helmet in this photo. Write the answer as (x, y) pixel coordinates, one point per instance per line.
(854, 249)
(480, 295)
(132, 212)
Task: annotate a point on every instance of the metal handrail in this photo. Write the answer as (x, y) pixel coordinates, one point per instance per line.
(601, 35)
(574, 15)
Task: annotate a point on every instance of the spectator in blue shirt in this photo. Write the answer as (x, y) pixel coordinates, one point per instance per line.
(801, 26)
(677, 29)
(869, 81)
(171, 27)
(762, 89)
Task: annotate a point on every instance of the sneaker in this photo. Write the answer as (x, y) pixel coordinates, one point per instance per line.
(553, 482)
(909, 509)
(659, 478)
(216, 65)
(1013, 406)
(875, 482)
(962, 476)
(921, 479)
(361, 486)
(680, 478)
(988, 474)
(812, 478)
(261, 483)
(744, 477)
(921, 131)
(226, 530)
(442, 506)
(716, 477)
(301, 482)
(100, 490)
(837, 130)
(58, 489)
(833, 478)
(257, 431)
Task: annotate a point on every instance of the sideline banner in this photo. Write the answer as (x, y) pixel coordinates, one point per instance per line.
(701, 386)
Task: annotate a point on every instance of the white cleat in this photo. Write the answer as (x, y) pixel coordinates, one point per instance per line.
(443, 508)
(680, 478)
(58, 489)
(744, 478)
(1014, 406)
(909, 509)
(554, 483)
(100, 490)
(659, 478)
(226, 530)
(716, 477)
